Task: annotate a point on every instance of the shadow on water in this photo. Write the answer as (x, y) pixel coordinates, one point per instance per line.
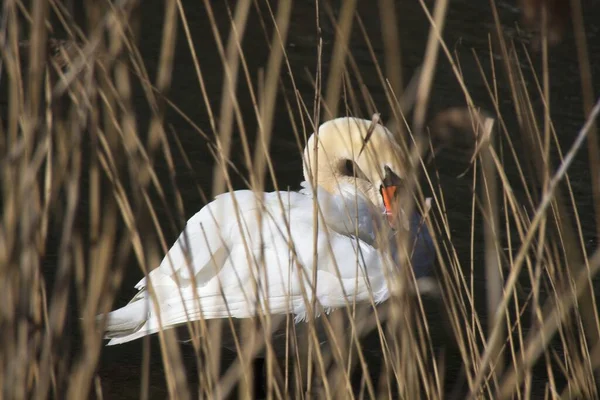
(467, 28)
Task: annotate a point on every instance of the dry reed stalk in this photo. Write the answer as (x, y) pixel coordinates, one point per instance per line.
(392, 50)
(45, 154)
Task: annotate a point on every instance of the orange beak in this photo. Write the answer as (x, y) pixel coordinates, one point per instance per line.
(389, 190)
(389, 193)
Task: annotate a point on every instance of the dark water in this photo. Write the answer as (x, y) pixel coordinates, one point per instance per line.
(467, 27)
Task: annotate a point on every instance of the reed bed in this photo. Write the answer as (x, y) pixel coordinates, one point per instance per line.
(91, 189)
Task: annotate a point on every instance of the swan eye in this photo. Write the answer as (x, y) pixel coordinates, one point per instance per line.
(349, 168)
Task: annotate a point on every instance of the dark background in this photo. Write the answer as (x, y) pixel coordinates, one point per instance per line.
(468, 25)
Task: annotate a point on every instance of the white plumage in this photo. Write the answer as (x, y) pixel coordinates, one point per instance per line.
(246, 252)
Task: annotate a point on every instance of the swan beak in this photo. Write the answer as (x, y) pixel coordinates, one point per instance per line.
(389, 191)
(389, 194)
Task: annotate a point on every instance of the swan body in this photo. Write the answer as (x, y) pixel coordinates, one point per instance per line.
(247, 253)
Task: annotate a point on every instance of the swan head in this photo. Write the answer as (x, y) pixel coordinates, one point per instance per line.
(352, 154)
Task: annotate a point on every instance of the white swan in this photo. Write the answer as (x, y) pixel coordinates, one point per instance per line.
(227, 262)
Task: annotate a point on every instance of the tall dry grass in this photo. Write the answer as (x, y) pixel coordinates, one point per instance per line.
(70, 131)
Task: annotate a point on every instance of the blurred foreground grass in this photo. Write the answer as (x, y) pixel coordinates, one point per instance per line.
(70, 131)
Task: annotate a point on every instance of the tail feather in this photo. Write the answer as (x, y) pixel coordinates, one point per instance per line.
(124, 337)
(127, 320)
(137, 319)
